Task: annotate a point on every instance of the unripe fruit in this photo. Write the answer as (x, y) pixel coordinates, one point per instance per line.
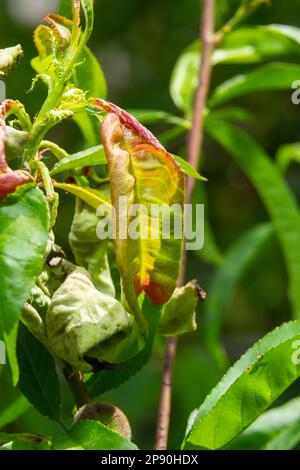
(109, 415)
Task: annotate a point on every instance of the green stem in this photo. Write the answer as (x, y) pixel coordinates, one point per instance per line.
(57, 151)
(78, 389)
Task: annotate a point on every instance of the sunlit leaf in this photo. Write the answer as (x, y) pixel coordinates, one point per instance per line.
(92, 197)
(89, 157)
(9, 59)
(144, 173)
(287, 154)
(275, 193)
(277, 429)
(268, 77)
(24, 224)
(92, 435)
(249, 387)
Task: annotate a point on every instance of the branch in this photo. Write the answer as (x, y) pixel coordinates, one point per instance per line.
(195, 142)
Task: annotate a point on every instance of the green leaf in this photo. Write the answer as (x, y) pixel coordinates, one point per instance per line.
(88, 10)
(230, 114)
(38, 379)
(13, 411)
(210, 253)
(65, 8)
(287, 154)
(89, 77)
(249, 387)
(236, 261)
(189, 169)
(23, 441)
(89, 157)
(92, 197)
(103, 381)
(9, 59)
(92, 435)
(244, 45)
(277, 429)
(275, 193)
(179, 313)
(24, 222)
(151, 116)
(268, 77)
(142, 172)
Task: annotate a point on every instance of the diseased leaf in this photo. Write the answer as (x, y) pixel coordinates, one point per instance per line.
(275, 193)
(179, 313)
(38, 379)
(268, 77)
(9, 59)
(249, 387)
(92, 197)
(104, 381)
(89, 157)
(142, 172)
(236, 261)
(277, 429)
(92, 435)
(24, 222)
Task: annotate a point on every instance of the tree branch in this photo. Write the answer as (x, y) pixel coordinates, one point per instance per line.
(195, 141)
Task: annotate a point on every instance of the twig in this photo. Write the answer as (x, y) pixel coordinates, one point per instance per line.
(78, 389)
(195, 141)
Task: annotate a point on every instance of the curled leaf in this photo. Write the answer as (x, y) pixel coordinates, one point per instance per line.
(143, 175)
(89, 251)
(84, 324)
(179, 313)
(15, 142)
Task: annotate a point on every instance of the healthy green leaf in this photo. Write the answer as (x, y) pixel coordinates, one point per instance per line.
(13, 411)
(275, 193)
(287, 154)
(89, 157)
(236, 261)
(244, 45)
(92, 197)
(92, 435)
(189, 169)
(277, 429)
(23, 441)
(268, 77)
(103, 381)
(24, 222)
(249, 387)
(151, 116)
(38, 379)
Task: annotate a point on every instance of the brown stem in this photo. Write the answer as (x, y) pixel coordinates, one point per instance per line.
(78, 389)
(195, 141)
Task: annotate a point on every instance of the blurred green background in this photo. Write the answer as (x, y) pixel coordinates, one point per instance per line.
(137, 43)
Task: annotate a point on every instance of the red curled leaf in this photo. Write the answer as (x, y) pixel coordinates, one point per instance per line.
(141, 170)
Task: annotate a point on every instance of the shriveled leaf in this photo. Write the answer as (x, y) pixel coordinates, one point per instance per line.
(236, 261)
(179, 313)
(84, 325)
(249, 387)
(109, 379)
(275, 193)
(24, 222)
(142, 172)
(9, 59)
(277, 429)
(38, 379)
(89, 157)
(92, 435)
(23, 441)
(15, 142)
(92, 197)
(268, 77)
